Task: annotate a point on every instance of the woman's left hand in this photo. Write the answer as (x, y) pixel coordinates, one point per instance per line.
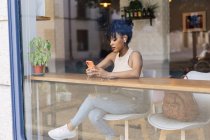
(102, 73)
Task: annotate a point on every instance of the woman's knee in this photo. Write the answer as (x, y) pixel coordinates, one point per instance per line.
(90, 99)
(96, 115)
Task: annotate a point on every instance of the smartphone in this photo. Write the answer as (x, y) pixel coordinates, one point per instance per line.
(90, 64)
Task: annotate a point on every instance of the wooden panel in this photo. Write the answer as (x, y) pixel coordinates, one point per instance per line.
(142, 83)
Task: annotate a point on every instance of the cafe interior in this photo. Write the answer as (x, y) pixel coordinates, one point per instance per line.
(170, 38)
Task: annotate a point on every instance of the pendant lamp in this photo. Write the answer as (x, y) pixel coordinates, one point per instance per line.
(105, 3)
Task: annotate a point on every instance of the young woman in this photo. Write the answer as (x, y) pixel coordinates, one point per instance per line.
(127, 64)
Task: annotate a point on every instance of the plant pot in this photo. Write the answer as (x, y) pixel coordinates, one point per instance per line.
(38, 70)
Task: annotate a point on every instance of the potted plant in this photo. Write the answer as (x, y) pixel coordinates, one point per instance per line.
(151, 8)
(39, 54)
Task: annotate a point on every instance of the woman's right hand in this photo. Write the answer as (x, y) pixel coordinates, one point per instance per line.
(90, 72)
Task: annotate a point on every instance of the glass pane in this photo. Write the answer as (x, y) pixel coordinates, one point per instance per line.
(76, 31)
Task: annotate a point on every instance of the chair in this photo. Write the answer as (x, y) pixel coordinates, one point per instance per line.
(168, 126)
(134, 117)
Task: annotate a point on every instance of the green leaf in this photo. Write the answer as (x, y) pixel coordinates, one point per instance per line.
(40, 51)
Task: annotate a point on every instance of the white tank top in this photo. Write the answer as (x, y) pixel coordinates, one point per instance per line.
(121, 63)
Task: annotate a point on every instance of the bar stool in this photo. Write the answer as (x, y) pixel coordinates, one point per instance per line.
(140, 118)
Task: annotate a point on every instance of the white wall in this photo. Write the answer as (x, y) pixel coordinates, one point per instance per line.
(153, 41)
(5, 86)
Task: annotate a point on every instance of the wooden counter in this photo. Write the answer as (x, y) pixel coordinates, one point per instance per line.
(142, 83)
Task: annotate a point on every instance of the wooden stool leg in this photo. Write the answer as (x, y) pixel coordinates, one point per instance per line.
(153, 108)
(163, 135)
(154, 111)
(182, 134)
(126, 130)
(200, 133)
(145, 133)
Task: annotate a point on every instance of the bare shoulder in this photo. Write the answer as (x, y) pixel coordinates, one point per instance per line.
(136, 59)
(135, 54)
(111, 56)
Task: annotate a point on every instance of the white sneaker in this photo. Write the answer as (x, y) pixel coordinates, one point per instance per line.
(61, 133)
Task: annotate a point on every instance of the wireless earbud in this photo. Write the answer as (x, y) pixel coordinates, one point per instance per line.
(124, 40)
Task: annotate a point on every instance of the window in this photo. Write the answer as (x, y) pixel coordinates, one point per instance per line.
(82, 40)
(81, 9)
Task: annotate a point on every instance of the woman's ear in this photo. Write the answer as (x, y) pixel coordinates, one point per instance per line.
(125, 38)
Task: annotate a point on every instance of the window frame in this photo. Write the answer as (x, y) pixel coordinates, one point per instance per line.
(16, 69)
